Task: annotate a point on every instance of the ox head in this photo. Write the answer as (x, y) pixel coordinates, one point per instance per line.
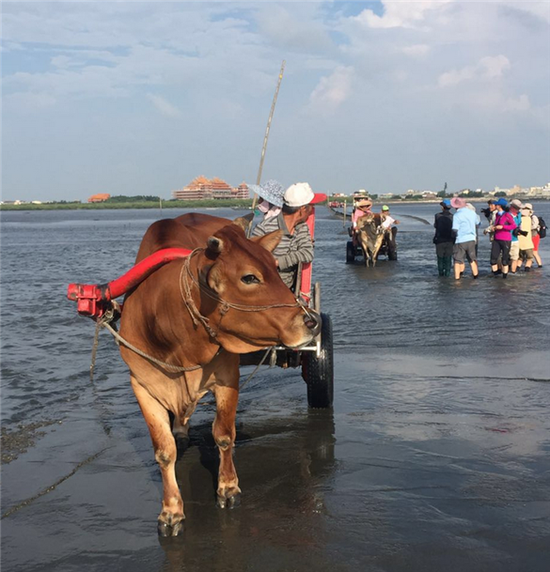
(243, 272)
(370, 224)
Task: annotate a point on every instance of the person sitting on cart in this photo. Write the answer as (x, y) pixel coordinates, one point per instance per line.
(271, 195)
(296, 244)
(387, 220)
(361, 208)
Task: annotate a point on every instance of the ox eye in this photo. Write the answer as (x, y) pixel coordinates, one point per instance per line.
(250, 279)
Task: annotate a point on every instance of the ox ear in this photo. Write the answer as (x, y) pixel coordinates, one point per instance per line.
(269, 241)
(214, 279)
(244, 221)
(215, 245)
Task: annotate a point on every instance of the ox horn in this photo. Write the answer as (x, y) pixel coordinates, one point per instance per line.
(215, 244)
(244, 221)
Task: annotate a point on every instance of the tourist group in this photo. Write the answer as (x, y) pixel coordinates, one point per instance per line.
(514, 231)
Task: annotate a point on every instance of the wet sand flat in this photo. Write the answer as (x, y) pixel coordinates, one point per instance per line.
(436, 455)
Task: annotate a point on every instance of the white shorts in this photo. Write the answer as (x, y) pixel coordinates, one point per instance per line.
(514, 250)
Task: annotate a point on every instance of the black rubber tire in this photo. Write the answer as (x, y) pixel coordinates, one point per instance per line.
(350, 252)
(320, 370)
(392, 246)
(392, 252)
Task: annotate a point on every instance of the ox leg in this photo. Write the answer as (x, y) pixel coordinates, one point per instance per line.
(223, 430)
(170, 520)
(377, 246)
(366, 254)
(375, 257)
(180, 429)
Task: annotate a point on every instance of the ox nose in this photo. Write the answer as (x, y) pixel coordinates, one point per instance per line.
(312, 320)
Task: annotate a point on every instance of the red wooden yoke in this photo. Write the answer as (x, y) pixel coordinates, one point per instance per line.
(94, 299)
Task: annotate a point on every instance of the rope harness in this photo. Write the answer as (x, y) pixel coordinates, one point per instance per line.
(105, 321)
(113, 313)
(225, 306)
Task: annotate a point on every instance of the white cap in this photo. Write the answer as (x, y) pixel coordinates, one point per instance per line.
(300, 194)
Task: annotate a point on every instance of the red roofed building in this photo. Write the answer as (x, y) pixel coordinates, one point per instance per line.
(202, 188)
(99, 198)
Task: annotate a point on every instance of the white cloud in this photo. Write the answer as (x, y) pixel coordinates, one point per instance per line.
(494, 66)
(301, 29)
(487, 68)
(517, 104)
(400, 14)
(164, 107)
(416, 50)
(540, 9)
(412, 14)
(28, 102)
(333, 90)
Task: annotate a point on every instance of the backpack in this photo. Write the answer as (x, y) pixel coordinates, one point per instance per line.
(542, 227)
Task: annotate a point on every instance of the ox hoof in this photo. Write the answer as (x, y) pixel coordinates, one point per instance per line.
(166, 530)
(229, 501)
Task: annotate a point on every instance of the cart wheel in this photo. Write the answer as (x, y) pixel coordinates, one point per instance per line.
(392, 244)
(319, 371)
(392, 249)
(350, 252)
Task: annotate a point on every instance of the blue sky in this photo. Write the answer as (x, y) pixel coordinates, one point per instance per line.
(141, 97)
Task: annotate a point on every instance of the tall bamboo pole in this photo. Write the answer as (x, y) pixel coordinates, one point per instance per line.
(266, 137)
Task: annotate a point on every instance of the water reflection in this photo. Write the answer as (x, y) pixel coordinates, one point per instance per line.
(441, 402)
(285, 469)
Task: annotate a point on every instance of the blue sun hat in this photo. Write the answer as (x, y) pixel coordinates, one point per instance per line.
(445, 203)
(271, 191)
(502, 202)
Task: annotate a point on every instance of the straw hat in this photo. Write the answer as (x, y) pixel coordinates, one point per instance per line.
(363, 203)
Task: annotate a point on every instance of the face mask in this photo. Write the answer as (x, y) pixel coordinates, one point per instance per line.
(263, 207)
(268, 210)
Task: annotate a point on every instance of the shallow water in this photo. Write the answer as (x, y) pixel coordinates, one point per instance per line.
(436, 454)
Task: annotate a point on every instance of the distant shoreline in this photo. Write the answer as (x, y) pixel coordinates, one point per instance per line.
(108, 205)
(213, 204)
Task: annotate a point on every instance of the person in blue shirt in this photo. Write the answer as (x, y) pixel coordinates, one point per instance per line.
(464, 227)
(478, 223)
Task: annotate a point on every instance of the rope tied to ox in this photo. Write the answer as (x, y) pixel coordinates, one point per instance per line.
(111, 316)
(225, 305)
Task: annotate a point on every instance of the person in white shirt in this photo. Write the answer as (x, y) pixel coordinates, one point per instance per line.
(387, 220)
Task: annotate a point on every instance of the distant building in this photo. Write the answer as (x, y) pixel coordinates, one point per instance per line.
(542, 192)
(202, 188)
(429, 195)
(99, 198)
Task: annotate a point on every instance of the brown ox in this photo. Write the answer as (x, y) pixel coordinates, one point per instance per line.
(370, 236)
(228, 300)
